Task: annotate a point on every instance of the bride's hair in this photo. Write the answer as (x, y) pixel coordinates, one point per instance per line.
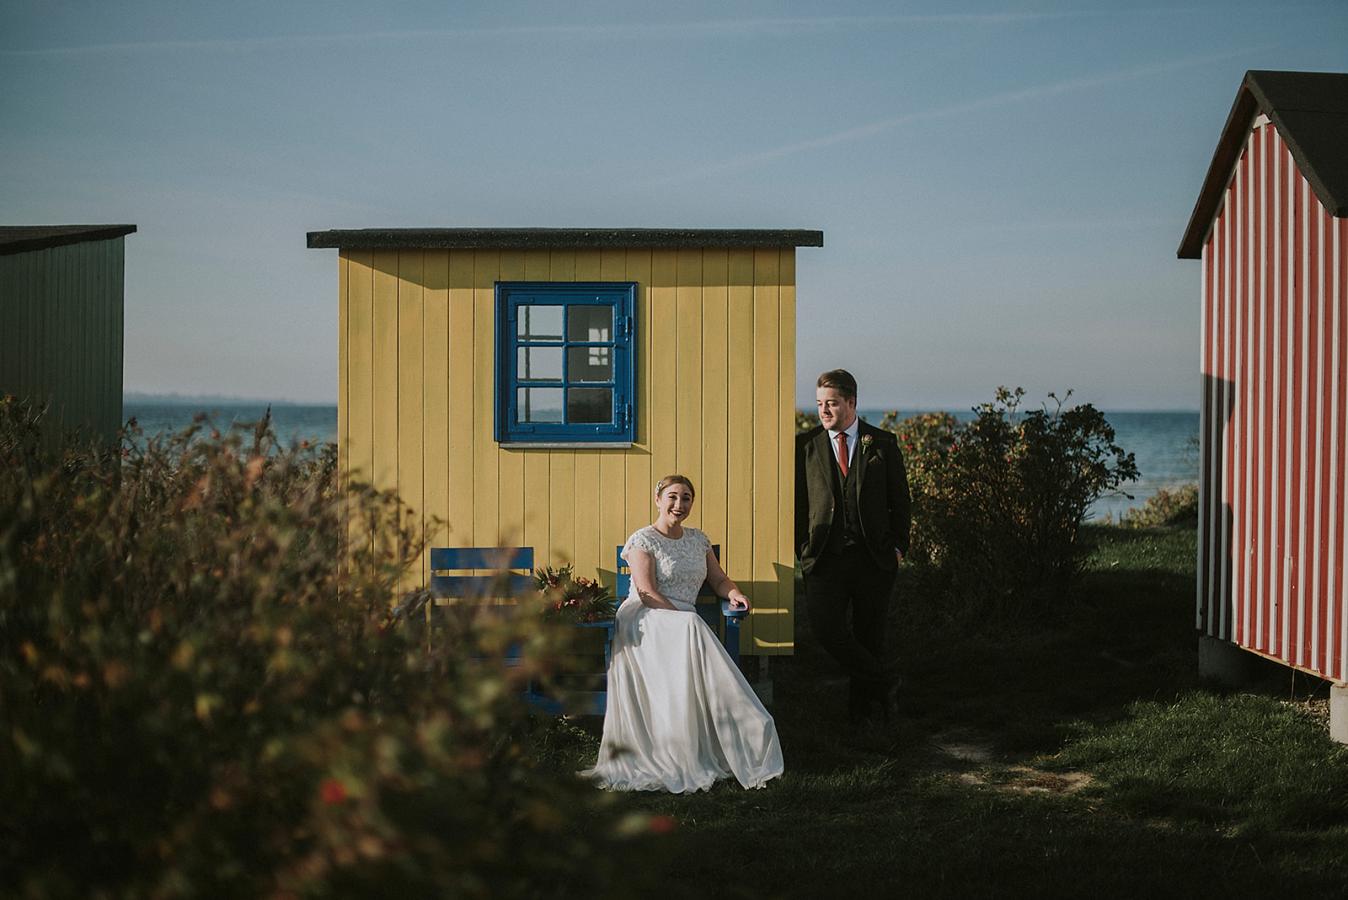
(674, 479)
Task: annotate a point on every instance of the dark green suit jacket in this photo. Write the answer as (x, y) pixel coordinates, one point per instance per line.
(881, 484)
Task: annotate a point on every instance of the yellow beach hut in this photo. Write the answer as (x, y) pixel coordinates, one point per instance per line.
(527, 386)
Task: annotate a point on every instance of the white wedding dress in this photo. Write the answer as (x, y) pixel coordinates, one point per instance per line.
(680, 714)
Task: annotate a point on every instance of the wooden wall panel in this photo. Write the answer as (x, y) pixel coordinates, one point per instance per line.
(436, 419)
(740, 511)
(486, 454)
(462, 399)
(411, 400)
(585, 526)
(510, 493)
(715, 348)
(61, 313)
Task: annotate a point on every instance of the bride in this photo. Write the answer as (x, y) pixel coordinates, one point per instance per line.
(680, 714)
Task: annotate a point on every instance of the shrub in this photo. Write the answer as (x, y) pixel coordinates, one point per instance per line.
(1165, 508)
(998, 501)
(198, 697)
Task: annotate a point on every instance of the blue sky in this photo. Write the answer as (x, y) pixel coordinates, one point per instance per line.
(1001, 187)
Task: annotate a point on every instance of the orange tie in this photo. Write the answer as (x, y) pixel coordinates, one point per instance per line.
(842, 452)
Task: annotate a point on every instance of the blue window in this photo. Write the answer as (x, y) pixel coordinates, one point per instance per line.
(565, 371)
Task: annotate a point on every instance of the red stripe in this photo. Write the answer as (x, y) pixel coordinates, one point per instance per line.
(1336, 555)
(1325, 342)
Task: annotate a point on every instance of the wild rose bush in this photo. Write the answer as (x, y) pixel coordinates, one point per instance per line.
(198, 697)
(998, 501)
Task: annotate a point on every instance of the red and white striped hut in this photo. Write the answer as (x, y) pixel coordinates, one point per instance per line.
(1268, 227)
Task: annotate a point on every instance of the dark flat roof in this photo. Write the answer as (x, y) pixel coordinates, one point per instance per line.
(558, 238)
(1310, 111)
(22, 238)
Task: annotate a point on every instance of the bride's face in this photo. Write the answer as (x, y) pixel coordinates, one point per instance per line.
(675, 502)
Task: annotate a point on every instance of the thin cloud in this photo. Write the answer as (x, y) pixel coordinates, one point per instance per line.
(993, 101)
(717, 28)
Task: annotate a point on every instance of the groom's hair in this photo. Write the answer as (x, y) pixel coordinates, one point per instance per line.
(841, 381)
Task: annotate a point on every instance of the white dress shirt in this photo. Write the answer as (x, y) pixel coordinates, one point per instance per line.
(851, 433)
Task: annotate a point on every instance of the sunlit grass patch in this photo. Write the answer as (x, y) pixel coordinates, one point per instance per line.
(1240, 761)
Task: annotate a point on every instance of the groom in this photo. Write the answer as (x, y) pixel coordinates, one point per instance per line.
(852, 520)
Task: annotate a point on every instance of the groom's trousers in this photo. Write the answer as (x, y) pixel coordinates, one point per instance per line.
(846, 582)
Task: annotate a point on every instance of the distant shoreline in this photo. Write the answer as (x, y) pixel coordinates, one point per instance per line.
(213, 400)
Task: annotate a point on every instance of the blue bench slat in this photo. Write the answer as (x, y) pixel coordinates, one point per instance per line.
(506, 583)
(448, 558)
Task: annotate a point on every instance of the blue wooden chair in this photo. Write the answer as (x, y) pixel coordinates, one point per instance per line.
(503, 584)
(726, 624)
(500, 584)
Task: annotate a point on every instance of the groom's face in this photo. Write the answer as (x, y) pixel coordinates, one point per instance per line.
(836, 412)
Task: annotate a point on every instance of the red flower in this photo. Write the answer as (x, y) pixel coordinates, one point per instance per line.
(662, 824)
(331, 791)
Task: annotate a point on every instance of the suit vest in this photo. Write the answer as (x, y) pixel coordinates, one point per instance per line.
(845, 532)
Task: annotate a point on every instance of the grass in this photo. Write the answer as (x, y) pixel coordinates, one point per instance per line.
(1076, 755)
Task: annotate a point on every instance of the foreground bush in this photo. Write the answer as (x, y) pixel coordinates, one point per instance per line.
(197, 699)
(998, 501)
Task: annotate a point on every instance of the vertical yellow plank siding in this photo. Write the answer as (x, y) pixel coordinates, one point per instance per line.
(612, 496)
(462, 368)
(343, 359)
(640, 479)
(486, 453)
(384, 401)
(711, 487)
(714, 350)
(562, 463)
(411, 400)
(537, 267)
(661, 366)
(435, 344)
(786, 451)
(510, 494)
(586, 509)
(737, 550)
(767, 612)
(686, 370)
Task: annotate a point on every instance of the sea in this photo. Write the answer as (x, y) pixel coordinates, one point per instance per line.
(1165, 444)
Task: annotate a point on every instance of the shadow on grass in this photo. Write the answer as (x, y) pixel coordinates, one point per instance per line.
(1066, 755)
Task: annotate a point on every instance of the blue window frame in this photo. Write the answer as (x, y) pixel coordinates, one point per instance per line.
(565, 370)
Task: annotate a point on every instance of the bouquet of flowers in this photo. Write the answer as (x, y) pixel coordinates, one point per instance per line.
(567, 596)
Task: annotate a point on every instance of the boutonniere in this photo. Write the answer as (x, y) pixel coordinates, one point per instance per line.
(866, 441)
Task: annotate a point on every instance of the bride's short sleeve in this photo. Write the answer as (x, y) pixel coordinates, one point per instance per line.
(640, 541)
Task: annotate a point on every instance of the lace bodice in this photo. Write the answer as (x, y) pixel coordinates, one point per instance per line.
(680, 565)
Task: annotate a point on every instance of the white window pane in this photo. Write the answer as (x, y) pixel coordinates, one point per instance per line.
(538, 323)
(540, 364)
(538, 405)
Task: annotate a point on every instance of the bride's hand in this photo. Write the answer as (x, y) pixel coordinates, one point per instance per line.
(738, 600)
